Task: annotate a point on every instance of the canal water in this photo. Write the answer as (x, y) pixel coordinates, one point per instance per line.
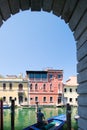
(26, 117)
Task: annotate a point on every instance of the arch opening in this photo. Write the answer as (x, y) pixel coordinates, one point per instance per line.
(41, 36)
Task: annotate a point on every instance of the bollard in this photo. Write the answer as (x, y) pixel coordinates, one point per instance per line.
(68, 116)
(1, 114)
(37, 105)
(12, 114)
(36, 108)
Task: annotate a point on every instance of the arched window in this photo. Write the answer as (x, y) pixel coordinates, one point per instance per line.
(51, 88)
(36, 86)
(4, 99)
(44, 86)
(70, 89)
(44, 99)
(10, 98)
(10, 86)
(20, 87)
(31, 86)
(51, 99)
(4, 86)
(36, 99)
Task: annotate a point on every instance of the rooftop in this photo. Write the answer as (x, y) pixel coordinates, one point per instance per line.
(72, 81)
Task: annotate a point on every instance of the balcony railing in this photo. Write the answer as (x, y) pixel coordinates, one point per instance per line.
(20, 90)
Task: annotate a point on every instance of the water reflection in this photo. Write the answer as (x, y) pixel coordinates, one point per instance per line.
(26, 117)
(53, 111)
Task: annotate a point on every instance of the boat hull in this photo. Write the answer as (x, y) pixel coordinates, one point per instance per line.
(6, 107)
(54, 123)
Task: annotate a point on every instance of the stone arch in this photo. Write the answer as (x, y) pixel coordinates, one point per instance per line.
(74, 13)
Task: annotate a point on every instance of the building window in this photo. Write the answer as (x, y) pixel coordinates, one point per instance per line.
(36, 86)
(4, 99)
(10, 98)
(44, 99)
(20, 99)
(51, 88)
(51, 99)
(31, 86)
(25, 99)
(44, 86)
(10, 86)
(59, 100)
(4, 86)
(70, 99)
(38, 76)
(31, 76)
(31, 99)
(59, 76)
(50, 76)
(20, 87)
(36, 99)
(70, 89)
(76, 99)
(44, 76)
(65, 90)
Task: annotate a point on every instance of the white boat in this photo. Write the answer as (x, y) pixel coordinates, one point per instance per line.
(6, 107)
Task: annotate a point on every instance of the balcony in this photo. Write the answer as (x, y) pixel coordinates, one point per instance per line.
(20, 91)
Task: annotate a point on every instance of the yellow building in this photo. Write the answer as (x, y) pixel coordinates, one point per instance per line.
(13, 87)
(70, 91)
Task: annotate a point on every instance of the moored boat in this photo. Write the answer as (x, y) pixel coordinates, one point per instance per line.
(54, 123)
(6, 107)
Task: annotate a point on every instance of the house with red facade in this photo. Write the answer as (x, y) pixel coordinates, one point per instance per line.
(45, 87)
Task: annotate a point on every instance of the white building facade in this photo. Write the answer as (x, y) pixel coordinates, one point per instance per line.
(70, 91)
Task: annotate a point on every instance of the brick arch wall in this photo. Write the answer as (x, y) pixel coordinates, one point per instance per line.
(74, 13)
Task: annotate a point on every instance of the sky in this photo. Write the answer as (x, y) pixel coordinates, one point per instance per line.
(36, 41)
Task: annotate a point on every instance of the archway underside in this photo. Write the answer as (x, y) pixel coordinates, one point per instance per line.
(74, 13)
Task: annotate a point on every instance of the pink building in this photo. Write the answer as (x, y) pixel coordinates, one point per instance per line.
(45, 87)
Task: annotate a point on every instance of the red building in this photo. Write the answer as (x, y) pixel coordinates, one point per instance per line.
(45, 87)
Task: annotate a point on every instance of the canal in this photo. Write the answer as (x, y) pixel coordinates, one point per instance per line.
(26, 117)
